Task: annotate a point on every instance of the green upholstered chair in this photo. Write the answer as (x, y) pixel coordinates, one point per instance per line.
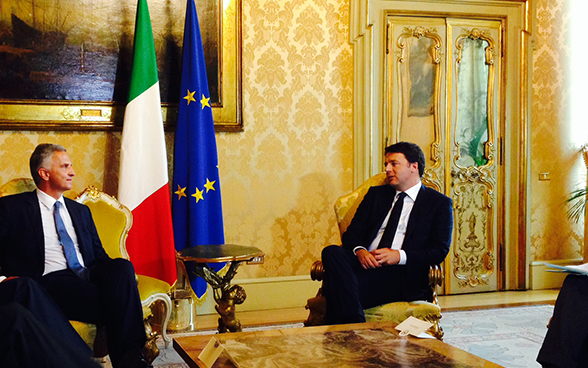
(113, 222)
(427, 310)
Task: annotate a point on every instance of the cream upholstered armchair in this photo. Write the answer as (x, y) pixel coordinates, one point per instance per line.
(113, 222)
(428, 310)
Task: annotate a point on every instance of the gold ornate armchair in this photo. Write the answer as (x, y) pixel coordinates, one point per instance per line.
(428, 310)
(16, 186)
(113, 222)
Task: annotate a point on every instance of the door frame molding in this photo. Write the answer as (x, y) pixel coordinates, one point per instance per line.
(367, 25)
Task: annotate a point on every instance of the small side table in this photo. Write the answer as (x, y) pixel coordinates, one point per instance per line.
(227, 296)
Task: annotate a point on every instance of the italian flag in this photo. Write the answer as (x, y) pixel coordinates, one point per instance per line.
(143, 180)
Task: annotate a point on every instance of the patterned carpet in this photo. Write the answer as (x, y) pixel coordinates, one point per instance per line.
(510, 337)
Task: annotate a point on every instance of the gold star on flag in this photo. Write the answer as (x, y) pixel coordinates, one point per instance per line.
(209, 185)
(198, 195)
(181, 192)
(204, 102)
(190, 97)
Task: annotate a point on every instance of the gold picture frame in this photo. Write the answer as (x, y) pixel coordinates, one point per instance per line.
(118, 18)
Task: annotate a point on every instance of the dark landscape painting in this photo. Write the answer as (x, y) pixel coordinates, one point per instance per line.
(81, 50)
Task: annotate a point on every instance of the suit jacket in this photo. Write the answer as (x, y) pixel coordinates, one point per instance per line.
(428, 233)
(22, 244)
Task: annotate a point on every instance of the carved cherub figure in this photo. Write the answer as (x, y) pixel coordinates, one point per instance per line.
(226, 308)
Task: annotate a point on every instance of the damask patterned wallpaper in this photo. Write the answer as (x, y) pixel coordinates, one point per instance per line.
(281, 176)
(85, 149)
(554, 144)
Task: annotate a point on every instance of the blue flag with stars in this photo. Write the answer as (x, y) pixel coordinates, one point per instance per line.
(197, 207)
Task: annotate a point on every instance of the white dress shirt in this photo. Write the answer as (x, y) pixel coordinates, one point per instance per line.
(54, 255)
(411, 196)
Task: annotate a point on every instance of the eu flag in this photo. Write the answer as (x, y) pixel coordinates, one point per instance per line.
(197, 207)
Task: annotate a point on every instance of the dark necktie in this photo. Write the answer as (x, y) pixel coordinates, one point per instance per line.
(390, 231)
(68, 245)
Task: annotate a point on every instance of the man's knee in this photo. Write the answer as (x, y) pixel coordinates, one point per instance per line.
(334, 252)
(115, 271)
(21, 286)
(24, 283)
(123, 266)
(331, 251)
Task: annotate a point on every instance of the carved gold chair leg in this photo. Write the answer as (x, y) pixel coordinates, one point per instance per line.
(436, 330)
(150, 350)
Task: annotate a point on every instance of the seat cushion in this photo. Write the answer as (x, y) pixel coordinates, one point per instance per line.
(87, 332)
(399, 311)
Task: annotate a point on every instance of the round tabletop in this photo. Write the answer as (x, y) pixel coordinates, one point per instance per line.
(215, 253)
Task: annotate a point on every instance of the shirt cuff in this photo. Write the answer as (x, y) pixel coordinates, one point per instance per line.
(358, 248)
(402, 257)
(2, 278)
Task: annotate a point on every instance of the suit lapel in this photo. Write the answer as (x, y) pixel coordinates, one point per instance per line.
(34, 212)
(75, 219)
(416, 213)
(381, 209)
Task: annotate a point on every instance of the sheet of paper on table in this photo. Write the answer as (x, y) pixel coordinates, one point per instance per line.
(413, 326)
(211, 352)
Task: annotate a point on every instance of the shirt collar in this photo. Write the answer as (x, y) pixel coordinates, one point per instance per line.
(413, 191)
(46, 200)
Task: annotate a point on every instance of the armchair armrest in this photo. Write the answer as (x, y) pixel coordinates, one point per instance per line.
(436, 275)
(317, 271)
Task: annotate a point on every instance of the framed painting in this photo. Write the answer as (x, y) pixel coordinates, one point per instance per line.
(66, 65)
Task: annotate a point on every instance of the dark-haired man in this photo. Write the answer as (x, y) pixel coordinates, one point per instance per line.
(398, 231)
(54, 241)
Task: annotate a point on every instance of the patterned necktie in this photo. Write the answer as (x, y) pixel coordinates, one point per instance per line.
(390, 231)
(68, 245)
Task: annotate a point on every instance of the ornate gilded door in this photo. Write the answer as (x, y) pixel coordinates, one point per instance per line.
(444, 91)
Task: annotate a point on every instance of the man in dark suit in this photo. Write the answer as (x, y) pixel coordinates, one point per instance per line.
(33, 330)
(566, 341)
(54, 241)
(398, 231)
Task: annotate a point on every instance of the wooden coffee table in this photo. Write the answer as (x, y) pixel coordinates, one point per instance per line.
(372, 344)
